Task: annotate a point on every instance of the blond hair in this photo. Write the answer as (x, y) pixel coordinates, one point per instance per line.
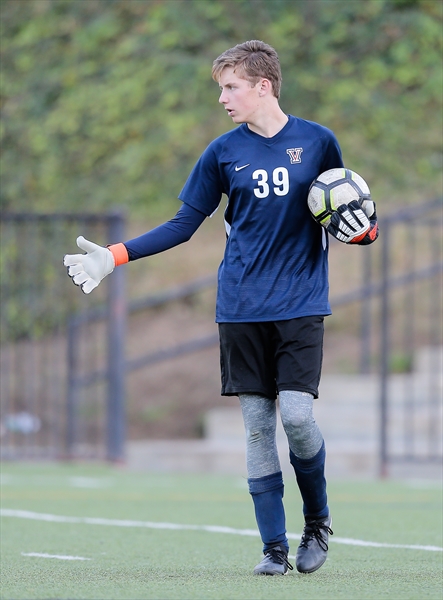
(252, 61)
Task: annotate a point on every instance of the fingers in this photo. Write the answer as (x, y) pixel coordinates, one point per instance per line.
(353, 215)
(72, 259)
(87, 270)
(88, 286)
(75, 270)
(76, 265)
(349, 224)
(83, 280)
(353, 205)
(83, 244)
(86, 245)
(359, 220)
(335, 220)
(80, 278)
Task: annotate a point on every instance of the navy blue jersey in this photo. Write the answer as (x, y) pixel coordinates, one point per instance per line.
(275, 262)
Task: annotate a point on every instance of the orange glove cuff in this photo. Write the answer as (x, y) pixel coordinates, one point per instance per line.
(119, 253)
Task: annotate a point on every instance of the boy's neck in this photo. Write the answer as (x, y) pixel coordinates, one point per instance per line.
(269, 123)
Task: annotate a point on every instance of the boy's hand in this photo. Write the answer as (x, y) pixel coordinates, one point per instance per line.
(87, 270)
(349, 224)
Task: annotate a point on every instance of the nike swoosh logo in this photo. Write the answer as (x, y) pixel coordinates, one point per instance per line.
(243, 167)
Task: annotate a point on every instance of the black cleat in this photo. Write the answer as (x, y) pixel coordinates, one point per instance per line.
(313, 549)
(275, 562)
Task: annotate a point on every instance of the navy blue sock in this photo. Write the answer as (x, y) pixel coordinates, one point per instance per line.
(267, 495)
(312, 483)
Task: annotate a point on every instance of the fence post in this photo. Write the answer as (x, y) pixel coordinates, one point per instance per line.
(384, 350)
(72, 388)
(116, 326)
(366, 316)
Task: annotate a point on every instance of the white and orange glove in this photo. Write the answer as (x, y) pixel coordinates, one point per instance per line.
(87, 270)
(351, 225)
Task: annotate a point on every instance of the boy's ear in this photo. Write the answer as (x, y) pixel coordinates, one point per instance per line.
(265, 87)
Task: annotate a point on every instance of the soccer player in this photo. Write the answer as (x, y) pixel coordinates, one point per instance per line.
(272, 292)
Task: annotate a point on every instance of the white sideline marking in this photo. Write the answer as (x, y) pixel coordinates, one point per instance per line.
(25, 514)
(88, 482)
(59, 556)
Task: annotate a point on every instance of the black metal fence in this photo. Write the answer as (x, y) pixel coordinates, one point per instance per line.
(63, 364)
(411, 336)
(42, 414)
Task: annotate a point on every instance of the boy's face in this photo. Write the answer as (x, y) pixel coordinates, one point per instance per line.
(239, 97)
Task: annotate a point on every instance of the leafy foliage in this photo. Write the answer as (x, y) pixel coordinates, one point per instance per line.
(111, 102)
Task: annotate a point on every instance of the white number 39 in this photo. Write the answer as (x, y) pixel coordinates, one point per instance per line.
(280, 179)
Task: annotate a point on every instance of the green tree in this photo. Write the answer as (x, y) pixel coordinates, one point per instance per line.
(110, 102)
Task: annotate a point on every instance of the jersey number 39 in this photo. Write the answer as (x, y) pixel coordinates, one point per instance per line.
(280, 179)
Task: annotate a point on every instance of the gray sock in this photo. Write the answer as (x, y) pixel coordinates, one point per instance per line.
(259, 416)
(304, 436)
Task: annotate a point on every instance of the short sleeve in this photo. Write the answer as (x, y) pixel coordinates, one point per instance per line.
(332, 158)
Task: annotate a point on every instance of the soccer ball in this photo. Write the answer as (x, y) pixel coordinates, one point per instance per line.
(335, 187)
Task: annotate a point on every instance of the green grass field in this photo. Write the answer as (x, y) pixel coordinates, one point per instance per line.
(82, 531)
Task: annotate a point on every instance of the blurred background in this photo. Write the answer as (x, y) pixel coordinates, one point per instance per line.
(105, 107)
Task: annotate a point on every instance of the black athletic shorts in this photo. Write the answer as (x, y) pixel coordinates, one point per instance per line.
(265, 358)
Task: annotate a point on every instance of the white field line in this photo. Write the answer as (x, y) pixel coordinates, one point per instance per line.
(58, 556)
(24, 514)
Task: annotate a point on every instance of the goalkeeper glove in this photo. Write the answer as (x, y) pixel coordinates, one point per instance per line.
(350, 225)
(87, 270)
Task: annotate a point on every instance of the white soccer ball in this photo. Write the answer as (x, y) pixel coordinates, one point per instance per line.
(335, 187)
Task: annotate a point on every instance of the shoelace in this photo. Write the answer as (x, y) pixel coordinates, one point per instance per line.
(314, 529)
(279, 557)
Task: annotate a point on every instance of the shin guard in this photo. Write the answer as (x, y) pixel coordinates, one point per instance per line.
(312, 483)
(267, 495)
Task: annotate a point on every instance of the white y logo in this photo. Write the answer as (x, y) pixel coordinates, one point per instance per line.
(243, 167)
